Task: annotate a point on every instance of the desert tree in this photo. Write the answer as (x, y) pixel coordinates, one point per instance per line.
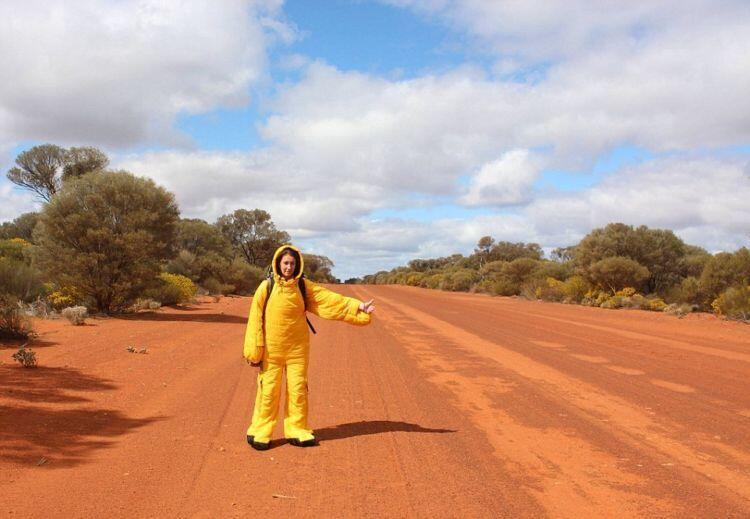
(80, 161)
(614, 273)
(659, 250)
(254, 234)
(21, 227)
(724, 270)
(106, 235)
(43, 169)
(205, 254)
(318, 268)
(482, 250)
(508, 251)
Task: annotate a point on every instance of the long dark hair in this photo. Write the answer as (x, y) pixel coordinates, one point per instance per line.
(295, 255)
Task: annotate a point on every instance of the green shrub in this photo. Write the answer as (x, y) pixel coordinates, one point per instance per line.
(461, 280)
(724, 270)
(21, 280)
(25, 356)
(433, 281)
(733, 303)
(13, 323)
(553, 269)
(216, 287)
(688, 291)
(502, 286)
(165, 293)
(617, 272)
(517, 277)
(639, 302)
(244, 277)
(414, 279)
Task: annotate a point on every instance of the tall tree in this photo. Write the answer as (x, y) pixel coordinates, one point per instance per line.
(253, 234)
(38, 170)
(507, 251)
(482, 250)
(42, 169)
(106, 235)
(318, 268)
(204, 252)
(660, 251)
(80, 161)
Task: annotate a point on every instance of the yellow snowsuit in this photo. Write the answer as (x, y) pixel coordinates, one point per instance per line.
(283, 343)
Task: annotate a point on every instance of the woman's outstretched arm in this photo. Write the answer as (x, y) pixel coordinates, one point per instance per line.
(331, 305)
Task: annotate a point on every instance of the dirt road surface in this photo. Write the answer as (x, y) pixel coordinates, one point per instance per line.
(448, 405)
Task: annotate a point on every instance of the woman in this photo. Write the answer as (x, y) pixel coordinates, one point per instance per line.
(281, 341)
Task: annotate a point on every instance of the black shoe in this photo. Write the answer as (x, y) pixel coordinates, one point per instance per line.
(312, 442)
(258, 446)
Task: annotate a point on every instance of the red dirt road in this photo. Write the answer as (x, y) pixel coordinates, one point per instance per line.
(448, 405)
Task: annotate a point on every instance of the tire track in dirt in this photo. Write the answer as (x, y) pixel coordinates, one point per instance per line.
(633, 427)
(550, 466)
(721, 394)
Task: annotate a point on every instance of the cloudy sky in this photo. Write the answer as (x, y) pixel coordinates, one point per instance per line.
(376, 132)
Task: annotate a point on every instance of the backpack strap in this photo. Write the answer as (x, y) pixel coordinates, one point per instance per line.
(269, 288)
(303, 290)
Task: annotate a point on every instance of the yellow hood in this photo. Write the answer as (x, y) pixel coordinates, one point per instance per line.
(299, 267)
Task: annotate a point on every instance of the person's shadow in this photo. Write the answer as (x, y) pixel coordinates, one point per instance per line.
(349, 430)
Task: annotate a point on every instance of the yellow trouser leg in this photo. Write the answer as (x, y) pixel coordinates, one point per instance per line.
(266, 409)
(295, 422)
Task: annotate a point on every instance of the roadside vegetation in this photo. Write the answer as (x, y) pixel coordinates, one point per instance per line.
(617, 266)
(108, 242)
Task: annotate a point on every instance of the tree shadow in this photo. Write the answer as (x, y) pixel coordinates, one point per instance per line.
(45, 384)
(349, 430)
(36, 426)
(203, 318)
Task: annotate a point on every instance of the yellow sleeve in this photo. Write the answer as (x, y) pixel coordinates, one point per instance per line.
(330, 305)
(254, 336)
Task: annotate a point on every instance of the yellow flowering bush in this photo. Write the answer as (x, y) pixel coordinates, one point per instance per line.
(179, 287)
(656, 304)
(64, 297)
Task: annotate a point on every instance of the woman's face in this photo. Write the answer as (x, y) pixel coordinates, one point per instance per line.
(287, 266)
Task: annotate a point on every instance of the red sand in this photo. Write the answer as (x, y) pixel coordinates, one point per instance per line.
(448, 405)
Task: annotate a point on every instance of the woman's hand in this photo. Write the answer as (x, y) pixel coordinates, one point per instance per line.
(367, 307)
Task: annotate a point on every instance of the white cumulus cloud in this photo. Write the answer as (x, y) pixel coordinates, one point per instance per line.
(117, 73)
(505, 181)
